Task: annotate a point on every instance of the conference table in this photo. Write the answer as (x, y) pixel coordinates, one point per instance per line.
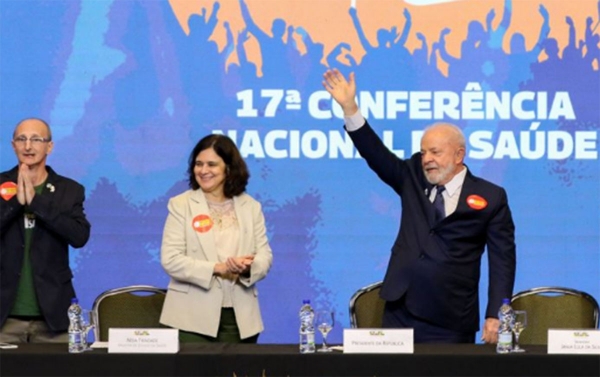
(266, 360)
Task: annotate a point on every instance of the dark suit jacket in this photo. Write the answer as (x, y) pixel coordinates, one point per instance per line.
(436, 266)
(60, 222)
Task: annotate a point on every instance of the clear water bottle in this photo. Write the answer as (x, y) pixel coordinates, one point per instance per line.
(76, 342)
(307, 328)
(506, 316)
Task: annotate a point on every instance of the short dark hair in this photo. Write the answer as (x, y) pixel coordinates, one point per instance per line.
(237, 174)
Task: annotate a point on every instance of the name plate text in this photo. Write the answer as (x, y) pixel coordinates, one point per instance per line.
(378, 341)
(582, 341)
(143, 340)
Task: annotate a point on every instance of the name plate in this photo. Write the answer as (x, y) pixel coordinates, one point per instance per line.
(143, 340)
(378, 341)
(582, 341)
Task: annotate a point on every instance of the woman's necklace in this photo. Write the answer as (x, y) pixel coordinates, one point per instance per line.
(222, 214)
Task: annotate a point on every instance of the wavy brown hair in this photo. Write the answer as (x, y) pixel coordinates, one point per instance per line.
(236, 171)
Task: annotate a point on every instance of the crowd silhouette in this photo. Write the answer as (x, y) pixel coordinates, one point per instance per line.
(163, 88)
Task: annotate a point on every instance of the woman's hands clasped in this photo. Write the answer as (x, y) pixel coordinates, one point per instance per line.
(239, 265)
(234, 266)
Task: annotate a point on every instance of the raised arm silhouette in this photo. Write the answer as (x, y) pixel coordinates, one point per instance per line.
(272, 48)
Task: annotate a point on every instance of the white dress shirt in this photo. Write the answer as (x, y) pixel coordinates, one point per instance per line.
(453, 188)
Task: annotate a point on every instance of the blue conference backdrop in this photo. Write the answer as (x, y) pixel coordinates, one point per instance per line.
(130, 86)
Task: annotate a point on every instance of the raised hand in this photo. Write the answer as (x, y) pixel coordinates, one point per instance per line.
(569, 21)
(544, 12)
(490, 16)
(343, 91)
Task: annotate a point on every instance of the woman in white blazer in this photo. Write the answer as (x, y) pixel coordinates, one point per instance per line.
(215, 249)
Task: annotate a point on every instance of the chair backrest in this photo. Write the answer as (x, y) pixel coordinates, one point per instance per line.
(554, 308)
(366, 307)
(136, 306)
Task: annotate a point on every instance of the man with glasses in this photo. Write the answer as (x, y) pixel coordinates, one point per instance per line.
(41, 214)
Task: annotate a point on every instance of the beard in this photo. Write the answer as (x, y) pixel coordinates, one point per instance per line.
(436, 176)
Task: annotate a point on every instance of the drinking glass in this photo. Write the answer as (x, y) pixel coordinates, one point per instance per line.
(89, 323)
(325, 320)
(519, 324)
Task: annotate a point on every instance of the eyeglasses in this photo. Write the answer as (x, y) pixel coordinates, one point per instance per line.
(35, 140)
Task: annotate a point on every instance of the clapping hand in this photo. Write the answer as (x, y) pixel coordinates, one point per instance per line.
(239, 265)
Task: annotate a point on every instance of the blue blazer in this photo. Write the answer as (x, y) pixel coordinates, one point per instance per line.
(436, 265)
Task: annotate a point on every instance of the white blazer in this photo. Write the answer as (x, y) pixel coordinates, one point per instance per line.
(188, 255)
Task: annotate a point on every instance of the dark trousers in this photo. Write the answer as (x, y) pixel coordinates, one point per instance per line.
(228, 332)
(396, 315)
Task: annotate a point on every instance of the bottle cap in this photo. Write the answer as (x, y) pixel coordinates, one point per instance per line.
(506, 301)
(74, 300)
(305, 301)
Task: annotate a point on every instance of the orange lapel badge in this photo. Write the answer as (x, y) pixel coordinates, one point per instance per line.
(8, 190)
(202, 223)
(476, 202)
